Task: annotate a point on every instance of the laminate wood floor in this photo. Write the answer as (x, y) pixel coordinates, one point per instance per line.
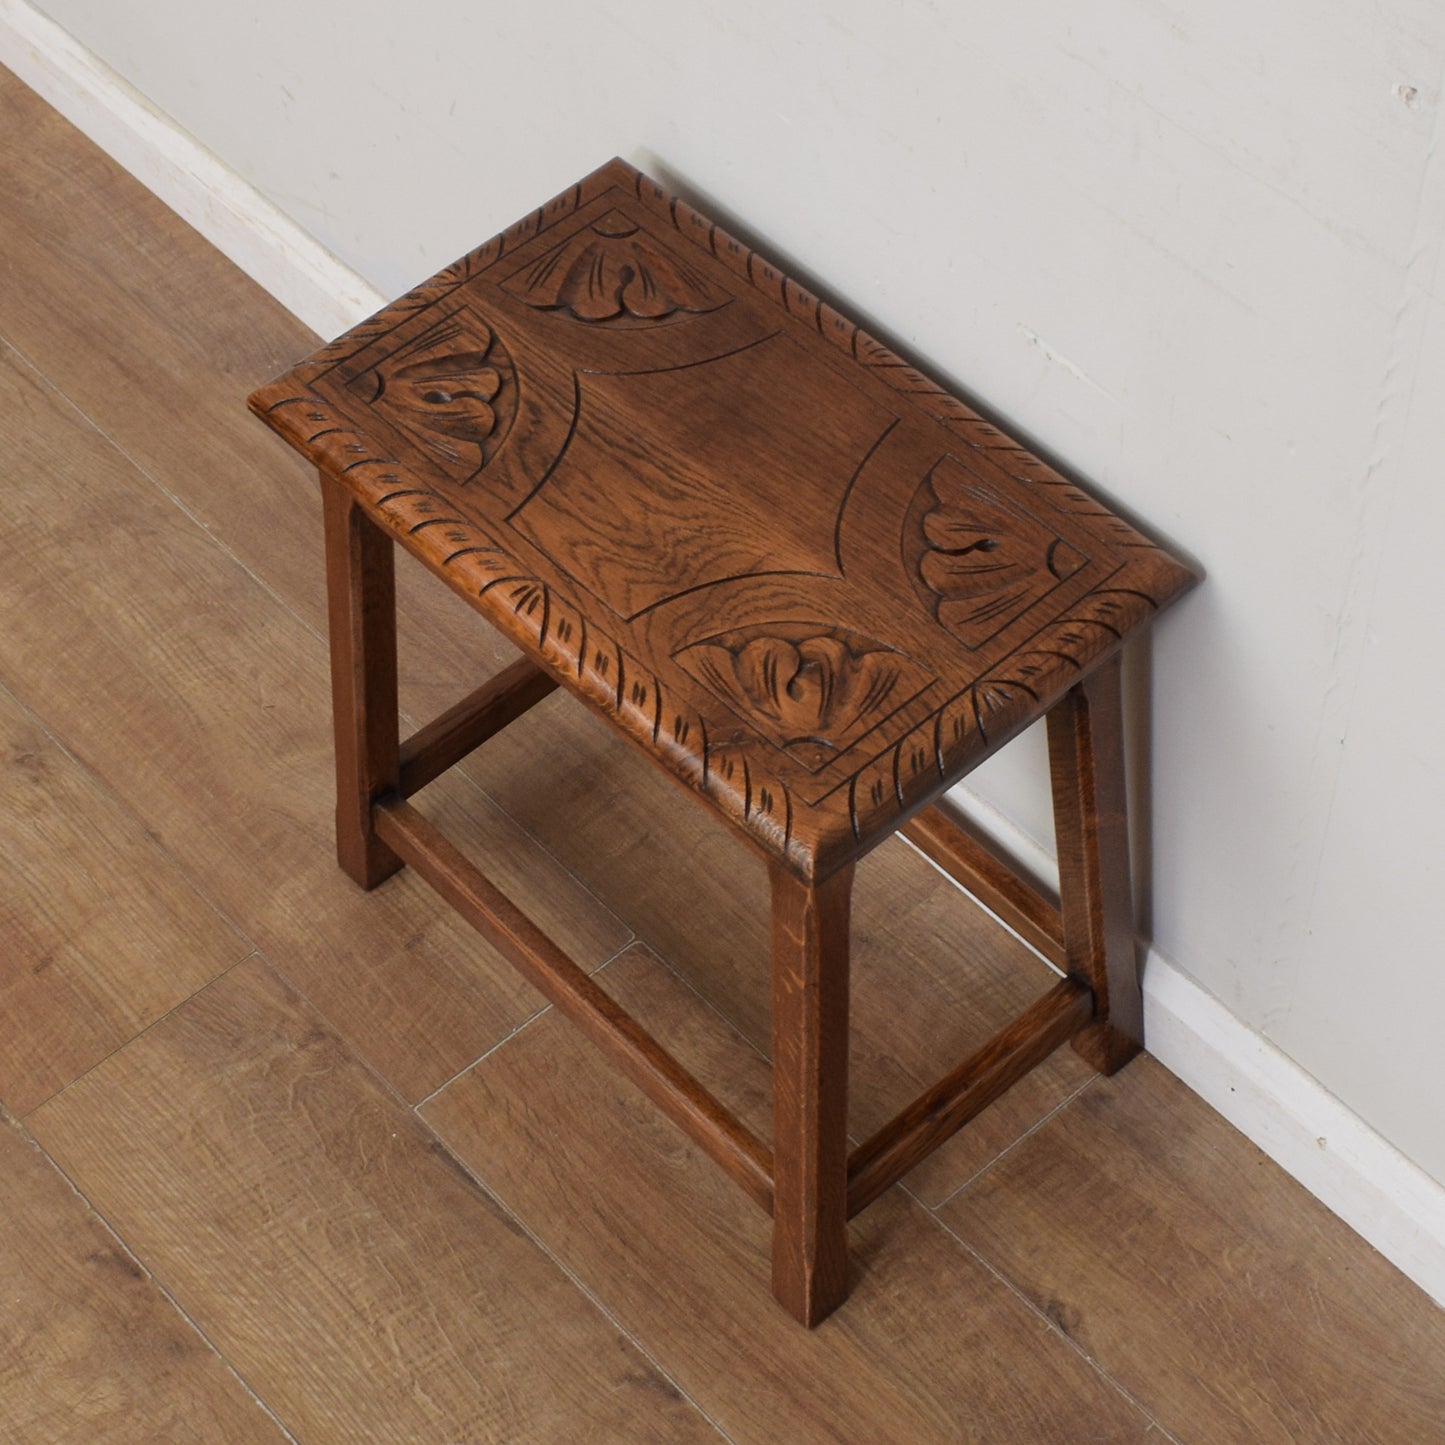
(280, 1160)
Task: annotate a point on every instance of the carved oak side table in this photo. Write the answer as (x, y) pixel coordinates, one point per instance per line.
(794, 573)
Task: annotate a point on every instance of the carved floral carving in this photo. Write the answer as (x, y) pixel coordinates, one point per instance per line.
(454, 389)
(978, 559)
(813, 689)
(613, 270)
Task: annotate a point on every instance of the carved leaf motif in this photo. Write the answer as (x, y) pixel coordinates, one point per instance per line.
(984, 560)
(614, 270)
(454, 389)
(451, 393)
(814, 692)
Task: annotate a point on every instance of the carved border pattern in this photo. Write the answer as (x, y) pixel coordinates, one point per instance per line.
(900, 776)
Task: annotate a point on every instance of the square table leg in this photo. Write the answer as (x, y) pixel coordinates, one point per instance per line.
(1091, 826)
(361, 606)
(810, 1092)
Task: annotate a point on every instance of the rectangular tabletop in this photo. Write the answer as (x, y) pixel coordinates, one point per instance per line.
(801, 576)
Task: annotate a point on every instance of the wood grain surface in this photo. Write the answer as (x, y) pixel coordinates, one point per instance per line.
(799, 575)
(159, 336)
(215, 732)
(1229, 1303)
(90, 1348)
(311, 1227)
(170, 661)
(915, 1354)
(101, 931)
(932, 976)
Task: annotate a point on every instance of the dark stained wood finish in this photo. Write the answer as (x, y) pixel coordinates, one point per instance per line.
(808, 582)
(482, 714)
(1091, 824)
(190, 700)
(214, 735)
(361, 589)
(888, 1155)
(810, 1092)
(931, 1348)
(976, 864)
(804, 581)
(563, 983)
(932, 977)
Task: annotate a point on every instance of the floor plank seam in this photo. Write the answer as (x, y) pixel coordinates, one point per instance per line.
(136, 1037)
(217, 541)
(706, 1002)
(588, 1293)
(157, 1282)
(1053, 1327)
(463, 770)
(102, 786)
(1009, 1148)
(958, 887)
(512, 1033)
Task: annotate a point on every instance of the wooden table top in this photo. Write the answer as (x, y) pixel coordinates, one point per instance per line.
(810, 583)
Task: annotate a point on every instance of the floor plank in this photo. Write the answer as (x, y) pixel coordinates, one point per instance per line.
(91, 1352)
(158, 338)
(102, 933)
(681, 1255)
(166, 328)
(933, 976)
(318, 1234)
(1229, 1303)
(214, 731)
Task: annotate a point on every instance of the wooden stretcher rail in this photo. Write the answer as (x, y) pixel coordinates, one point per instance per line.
(447, 739)
(548, 968)
(974, 863)
(980, 1079)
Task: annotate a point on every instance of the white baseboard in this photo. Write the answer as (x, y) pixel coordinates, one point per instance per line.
(1389, 1201)
(230, 213)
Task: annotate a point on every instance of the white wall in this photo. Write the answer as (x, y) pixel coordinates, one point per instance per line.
(1192, 250)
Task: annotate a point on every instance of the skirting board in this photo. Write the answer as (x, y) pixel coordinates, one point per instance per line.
(229, 212)
(1384, 1197)
(1389, 1201)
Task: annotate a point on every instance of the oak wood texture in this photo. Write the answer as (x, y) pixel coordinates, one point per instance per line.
(966, 1091)
(932, 977)
(918, 1353)
(90, 1349)
(569, 988)
(810, 926)
(708, 520)
(214, 733)
(977, 864)
(100, 932)
(112, 297)
(1231, 1305)
(358, 1279)
(466, 725)
(361, 591)
(1091, 823)
(806, 580)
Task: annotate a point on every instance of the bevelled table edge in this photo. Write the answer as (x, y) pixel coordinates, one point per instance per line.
(812, 843)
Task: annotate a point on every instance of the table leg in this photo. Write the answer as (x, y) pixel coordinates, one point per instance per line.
(361, 601)
(1086, 761)
(810, 1092)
